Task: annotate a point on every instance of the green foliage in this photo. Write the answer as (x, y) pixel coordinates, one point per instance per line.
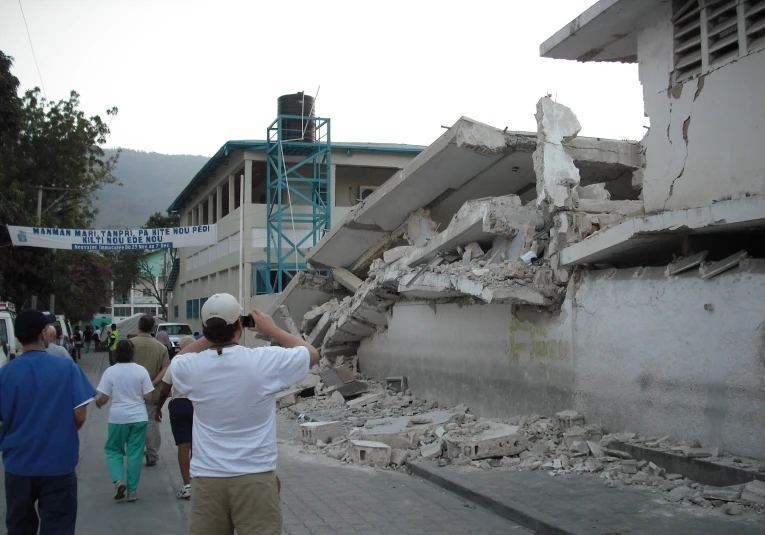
(49, 144)
(83, 284)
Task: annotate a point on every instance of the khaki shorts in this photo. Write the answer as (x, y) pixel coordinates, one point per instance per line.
(249, 503)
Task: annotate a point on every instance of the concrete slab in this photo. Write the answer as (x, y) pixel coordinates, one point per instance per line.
(304, 292)
(370, 453)
(631, 240)
(346, 279)
(686, 263)
(441, 285)
(607, 31)
(480, 220)
(464, 151)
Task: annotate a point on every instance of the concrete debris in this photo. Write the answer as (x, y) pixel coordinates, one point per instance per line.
(593, 192)
(712, 269)
(553, 165)
(726, 494)
(337, 399)
(398, 457)
(396, 253)
(346, 279)
(567, 419)
(754, 492)
(431, 450)
(287, 398)
(677, 494)
(420, 228)
(396, 384)
(370, 453)
(326, 432)
(485, 440)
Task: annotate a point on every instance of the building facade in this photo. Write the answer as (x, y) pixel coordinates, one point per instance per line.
(214, 197)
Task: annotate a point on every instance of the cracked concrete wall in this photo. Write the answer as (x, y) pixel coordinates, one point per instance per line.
(650, 358)
(705, 139)
(498, 359)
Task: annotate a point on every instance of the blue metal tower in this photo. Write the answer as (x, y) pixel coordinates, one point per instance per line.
(297, 194)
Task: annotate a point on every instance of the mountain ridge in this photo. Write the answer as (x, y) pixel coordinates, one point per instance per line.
(151, 181)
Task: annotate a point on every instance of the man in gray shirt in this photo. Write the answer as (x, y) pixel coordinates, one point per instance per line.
(52, 347)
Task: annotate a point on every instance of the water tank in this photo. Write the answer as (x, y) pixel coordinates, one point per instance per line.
(300, 105)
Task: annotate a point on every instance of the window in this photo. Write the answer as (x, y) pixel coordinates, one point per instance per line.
(196, 309)
(175, 311)
(4, 331)
(151, 311)
(189, 309)
(223, 247)
(708, 37)
(122, 312)
(202, 303)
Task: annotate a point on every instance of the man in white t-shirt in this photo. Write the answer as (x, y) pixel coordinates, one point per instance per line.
(233, 392)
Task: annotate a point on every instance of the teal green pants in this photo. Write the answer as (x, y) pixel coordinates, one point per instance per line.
(126, 440)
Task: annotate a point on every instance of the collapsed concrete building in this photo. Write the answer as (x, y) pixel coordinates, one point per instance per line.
(526, 273)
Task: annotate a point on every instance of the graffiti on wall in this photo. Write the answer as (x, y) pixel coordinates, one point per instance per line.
(531, 343)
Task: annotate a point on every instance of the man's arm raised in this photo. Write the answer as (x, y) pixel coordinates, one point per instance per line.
(264, 324)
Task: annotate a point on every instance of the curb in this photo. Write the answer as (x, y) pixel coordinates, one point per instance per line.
(516, 512)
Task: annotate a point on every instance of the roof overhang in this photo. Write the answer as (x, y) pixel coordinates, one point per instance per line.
(639, 237)
(607, 31)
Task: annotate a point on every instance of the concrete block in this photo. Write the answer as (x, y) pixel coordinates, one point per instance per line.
(754, 492)
(595, 448)
(715, 268)
(398, 457)
(629, 466)
(580, 446)
(363, 401)
(397, 384)
(472, 252)
(499, 440)
(655, 470)
(686, 263)
(346, 279)
(287, 398)
(332, 351)
(726, 494)
(593, 192)
(327, 432)
(677, 494)
(570, 418)
(336, 400)
(370, 453)
(431, 450)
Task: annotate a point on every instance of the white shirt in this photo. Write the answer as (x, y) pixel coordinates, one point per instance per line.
(126, 383)
(234, 401)
(55, 349)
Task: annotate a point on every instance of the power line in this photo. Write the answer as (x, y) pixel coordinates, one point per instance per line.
(45, 94)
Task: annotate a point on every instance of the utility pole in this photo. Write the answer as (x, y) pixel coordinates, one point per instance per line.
(52, 302)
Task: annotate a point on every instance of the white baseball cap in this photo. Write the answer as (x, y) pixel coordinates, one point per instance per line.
(223, 306)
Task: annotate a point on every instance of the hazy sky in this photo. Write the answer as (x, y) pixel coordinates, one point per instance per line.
(189, 75)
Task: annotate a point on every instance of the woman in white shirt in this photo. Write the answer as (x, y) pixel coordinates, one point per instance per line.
(128, 385)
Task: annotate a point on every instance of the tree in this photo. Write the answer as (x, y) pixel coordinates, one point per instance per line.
(85, 284)
(46, 144)
(146, 271)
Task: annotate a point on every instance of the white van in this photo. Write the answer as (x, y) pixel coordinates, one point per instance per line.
(7, 333)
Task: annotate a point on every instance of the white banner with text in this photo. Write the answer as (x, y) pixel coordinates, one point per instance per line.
(114, 240)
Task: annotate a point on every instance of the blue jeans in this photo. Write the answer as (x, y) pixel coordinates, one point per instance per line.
(56, 498)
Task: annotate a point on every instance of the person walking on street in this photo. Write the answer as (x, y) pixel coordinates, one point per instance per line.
(88, 338)
(113, 340)
(51, 346)
(43, 402)
(97, 339)
(129, 386)
(164, 339)
(233, 389)
(154, 357)
(77, 346)
(181, 420)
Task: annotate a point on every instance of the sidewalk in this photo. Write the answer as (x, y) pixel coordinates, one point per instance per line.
(582, 505)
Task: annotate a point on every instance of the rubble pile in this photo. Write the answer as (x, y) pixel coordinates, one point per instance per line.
(388, 428)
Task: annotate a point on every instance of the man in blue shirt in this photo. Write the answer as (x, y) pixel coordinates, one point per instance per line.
(43, 401)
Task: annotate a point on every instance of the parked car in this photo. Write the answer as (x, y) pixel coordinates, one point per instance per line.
(175, 331)
(11, 346)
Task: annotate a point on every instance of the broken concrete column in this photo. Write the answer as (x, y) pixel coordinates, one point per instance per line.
(553, 165)
(420, 228)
